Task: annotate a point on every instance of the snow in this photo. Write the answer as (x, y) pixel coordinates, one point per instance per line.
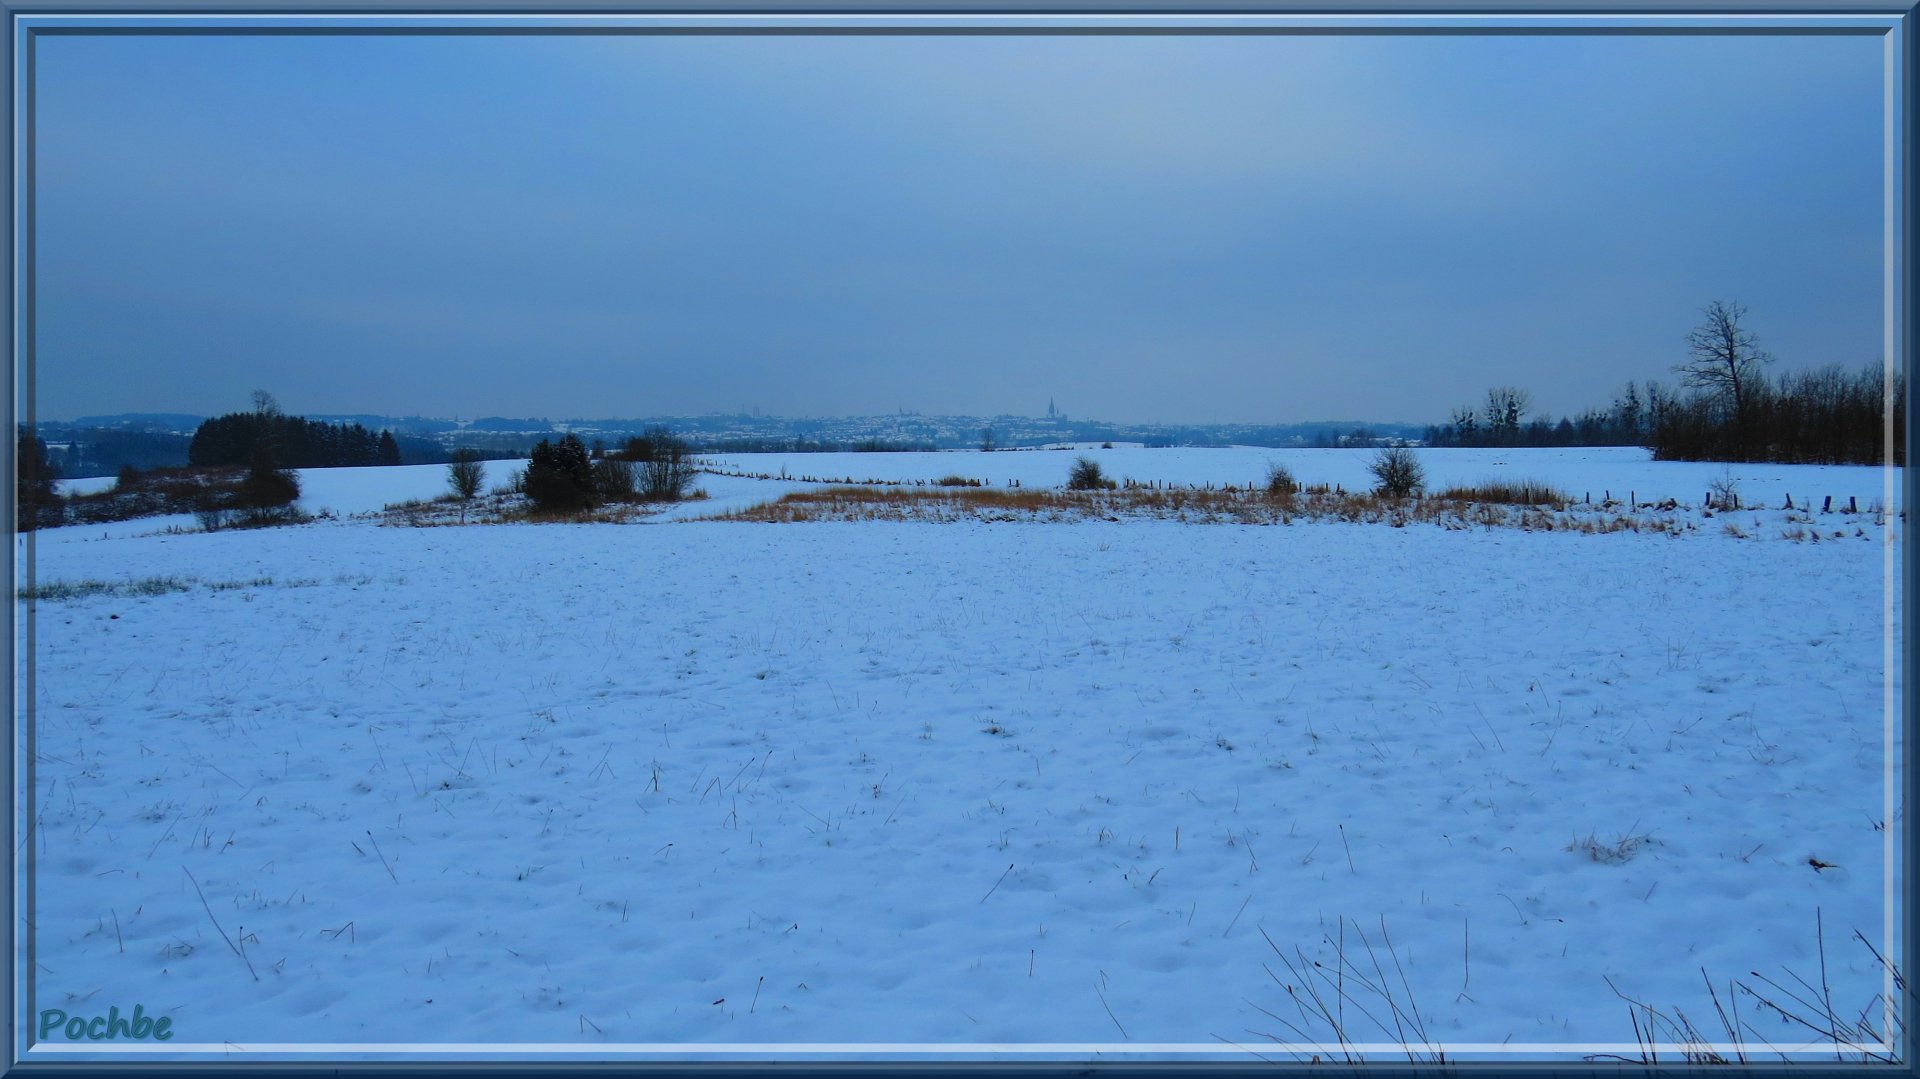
(692, 788)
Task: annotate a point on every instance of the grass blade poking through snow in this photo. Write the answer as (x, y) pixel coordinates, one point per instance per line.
(216, 924)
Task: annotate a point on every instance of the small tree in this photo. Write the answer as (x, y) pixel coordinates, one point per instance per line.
(988, 442)
(1088, 476)
(465, 474)
(560, 477)
(1397, 472)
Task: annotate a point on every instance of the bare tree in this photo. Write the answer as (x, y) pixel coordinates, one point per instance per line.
(1398, 472)
(1465, 422)
(667, 465)
(987, 440)
(1505, 406)
(465, 474)
(1724, 358)
(614, 479)
(263, 403)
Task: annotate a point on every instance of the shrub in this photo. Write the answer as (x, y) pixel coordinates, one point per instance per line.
(263, 496)
(666, 464)
(1397, 472)
(613, 480)
(1280, 481)
(955, 481)
(266, 488)
(560, 477)
(1725, 491)
(1088, 476)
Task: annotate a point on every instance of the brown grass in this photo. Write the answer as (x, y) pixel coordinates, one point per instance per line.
(1511, 493)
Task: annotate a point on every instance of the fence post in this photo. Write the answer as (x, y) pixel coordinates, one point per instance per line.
(1851, 507)
(1826, 505)
(1789, 504)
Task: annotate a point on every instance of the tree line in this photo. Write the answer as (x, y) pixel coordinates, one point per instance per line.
(294, 442)
(1733, 412)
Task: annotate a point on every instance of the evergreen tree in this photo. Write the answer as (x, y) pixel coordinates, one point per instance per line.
(560, 476)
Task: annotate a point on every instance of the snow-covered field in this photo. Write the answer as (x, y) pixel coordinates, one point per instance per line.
(699, 787)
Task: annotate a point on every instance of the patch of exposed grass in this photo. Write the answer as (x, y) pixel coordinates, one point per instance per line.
(1618, 852)
(70, 590)
(61, 591)
(262, 582)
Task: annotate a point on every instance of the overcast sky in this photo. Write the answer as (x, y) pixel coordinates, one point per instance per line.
(1176, 229)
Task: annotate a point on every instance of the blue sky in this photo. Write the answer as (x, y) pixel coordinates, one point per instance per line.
(1177, 229)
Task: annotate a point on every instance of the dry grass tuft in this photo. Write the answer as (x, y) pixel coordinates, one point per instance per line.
(1524, 492)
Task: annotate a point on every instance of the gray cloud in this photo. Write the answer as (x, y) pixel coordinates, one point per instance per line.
(1147, 228)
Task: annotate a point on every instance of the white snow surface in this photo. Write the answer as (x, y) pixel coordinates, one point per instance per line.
(719, 785)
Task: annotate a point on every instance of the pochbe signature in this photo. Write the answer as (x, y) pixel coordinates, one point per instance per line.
(139, 1026)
